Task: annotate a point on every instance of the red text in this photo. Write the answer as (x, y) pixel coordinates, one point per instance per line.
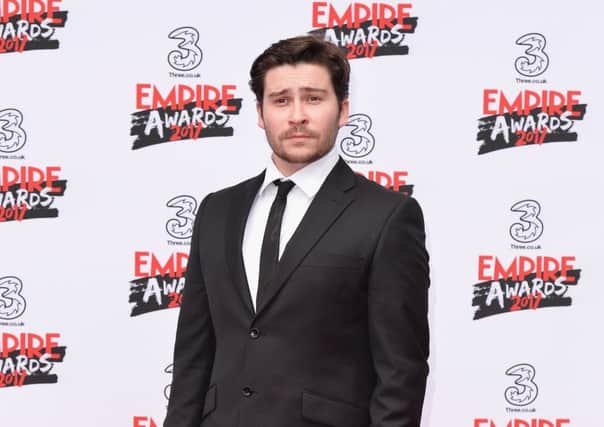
(394, 181)
(29, 10)
(544, 267)
(143, 422)
(380, 14)
(534, 422)
(29, 178)
(30, 345)
(148, 96)
(494, 101)
(146, 264)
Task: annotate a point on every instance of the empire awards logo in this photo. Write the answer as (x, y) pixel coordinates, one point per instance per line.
(169, 370)
(365, 30)
(29, 358)
(529, 116)
(30, 24)
(159, 280)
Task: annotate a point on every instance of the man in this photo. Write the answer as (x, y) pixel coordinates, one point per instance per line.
(305, 302)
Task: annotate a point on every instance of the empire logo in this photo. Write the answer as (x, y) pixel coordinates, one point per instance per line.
(528, 118)
(182, 113)
(365, 30)
(525, 283)
(29, 358)
(168, 370)
(30, 24)
(158, 284)
(28, 192)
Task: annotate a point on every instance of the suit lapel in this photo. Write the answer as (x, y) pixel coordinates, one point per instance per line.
(331, 200)
(237, 217)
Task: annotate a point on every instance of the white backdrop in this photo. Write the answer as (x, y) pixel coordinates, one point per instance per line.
(73, 106)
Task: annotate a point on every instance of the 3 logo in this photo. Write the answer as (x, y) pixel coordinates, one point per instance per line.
(12, 135)
(530, 227)
(524, 391)
(181, 225)
(188, 55)
(169, 370)
(536, 60)
(357, 140)
(12, 303)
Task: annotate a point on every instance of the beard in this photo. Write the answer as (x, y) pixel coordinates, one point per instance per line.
(314, 147)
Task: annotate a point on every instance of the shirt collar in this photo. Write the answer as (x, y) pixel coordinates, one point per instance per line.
(309, 179)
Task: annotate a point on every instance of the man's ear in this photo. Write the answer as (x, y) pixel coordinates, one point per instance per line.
(344, 110)
(259, 111)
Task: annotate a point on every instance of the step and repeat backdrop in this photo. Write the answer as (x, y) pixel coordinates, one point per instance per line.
(117, 118)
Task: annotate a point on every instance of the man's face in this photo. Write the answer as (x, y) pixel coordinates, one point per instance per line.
(300, 114)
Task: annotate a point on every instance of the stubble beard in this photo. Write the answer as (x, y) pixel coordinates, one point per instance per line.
(278, 145)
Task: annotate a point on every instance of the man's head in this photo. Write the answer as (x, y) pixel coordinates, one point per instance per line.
(301, 87)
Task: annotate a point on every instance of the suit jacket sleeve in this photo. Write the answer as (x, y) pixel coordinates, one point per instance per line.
(195, 343)
(398, 324)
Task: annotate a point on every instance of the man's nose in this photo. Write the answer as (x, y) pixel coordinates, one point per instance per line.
(297, 113)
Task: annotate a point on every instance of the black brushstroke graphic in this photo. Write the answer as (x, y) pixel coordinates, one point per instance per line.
(39, 377)
(140, 119)
(39, 42)
(383, 49)
(38, 211)
(487, 123)
(167, 289)
(481, 291)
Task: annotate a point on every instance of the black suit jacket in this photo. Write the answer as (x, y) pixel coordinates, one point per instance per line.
(339, 339)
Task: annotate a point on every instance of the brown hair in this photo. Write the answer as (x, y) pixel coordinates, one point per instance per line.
(308, 49)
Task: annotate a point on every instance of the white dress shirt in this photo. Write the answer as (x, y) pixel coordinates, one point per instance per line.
(307, 182)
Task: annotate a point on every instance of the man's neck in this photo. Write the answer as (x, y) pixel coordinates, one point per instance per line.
(287, 168)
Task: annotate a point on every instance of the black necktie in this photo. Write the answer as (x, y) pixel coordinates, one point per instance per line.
(269, 255)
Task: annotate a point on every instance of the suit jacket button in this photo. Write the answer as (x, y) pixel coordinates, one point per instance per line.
(254, 333)
(247, 392)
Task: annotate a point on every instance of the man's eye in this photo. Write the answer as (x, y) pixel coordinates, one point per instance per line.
(281, 101)
(314, 99)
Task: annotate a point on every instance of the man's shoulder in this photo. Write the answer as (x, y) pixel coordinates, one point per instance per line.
(247, 186)
(375, 191)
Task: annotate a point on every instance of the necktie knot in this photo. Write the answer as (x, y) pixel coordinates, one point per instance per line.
(283, 188)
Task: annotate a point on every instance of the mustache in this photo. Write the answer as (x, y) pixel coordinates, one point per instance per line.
(298, 130)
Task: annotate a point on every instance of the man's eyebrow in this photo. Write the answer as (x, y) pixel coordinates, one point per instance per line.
(312, 89)
(278, 93)
(303, 89)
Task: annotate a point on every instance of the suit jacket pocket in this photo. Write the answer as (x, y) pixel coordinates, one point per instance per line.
(324, 410)
(210, 402)
(328, 259)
